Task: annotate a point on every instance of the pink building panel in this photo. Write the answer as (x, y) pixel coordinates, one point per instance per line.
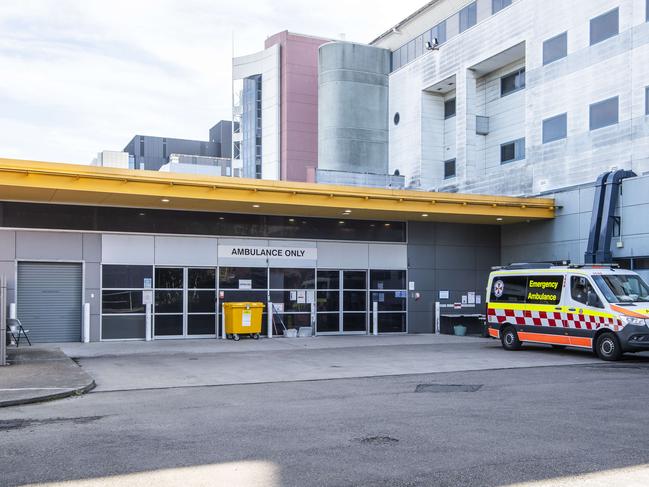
(299, 104)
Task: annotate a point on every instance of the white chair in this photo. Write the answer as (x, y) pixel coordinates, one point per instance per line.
(16, 330)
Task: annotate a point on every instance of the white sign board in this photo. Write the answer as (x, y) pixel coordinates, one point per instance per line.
(411, 286)
(253, 252)
(245, 283)
(443, 295)
(147, 297)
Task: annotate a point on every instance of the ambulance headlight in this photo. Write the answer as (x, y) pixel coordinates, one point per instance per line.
(636, 321)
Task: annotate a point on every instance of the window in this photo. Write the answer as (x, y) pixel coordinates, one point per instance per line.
(581, 288)
(555, 48)
(623, 288)
(512, 151)
(396, 59)
(508, 289)
(646, 98)
(512, 82)
(438, 32)
(397, 118)
(468, 16)
(449, 169)
(604, 113)
(544, 289)
(555, 128)
(498, 5)
(604, 26)
(449, 108)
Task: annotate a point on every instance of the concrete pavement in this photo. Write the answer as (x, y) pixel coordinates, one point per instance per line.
(40, 374)
(165, 364)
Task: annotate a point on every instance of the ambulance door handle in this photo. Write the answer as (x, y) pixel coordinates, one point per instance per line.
(572, 310)
(558, 308)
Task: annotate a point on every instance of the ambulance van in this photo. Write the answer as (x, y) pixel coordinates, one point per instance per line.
(595, 307)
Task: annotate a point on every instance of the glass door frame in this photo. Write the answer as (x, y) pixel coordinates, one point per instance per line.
(341, 306)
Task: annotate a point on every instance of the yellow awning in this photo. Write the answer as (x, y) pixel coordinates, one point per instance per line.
(47, 182)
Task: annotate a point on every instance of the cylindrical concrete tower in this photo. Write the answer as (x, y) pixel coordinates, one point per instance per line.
(353, 108)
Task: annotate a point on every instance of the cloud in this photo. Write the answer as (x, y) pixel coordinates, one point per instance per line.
(80, 76)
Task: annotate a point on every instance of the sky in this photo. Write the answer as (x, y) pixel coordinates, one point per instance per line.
(81, 76)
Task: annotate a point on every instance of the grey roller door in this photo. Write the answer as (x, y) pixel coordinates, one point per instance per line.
(49, 301)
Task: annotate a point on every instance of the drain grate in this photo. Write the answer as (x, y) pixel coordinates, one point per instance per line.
(442, 388)
(378, 440)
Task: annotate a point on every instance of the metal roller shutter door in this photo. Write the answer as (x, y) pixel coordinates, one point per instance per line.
(49, 301)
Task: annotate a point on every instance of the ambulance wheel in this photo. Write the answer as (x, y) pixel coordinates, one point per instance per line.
(255, 336)
(608, 347)
(236, 337)
(509, 339)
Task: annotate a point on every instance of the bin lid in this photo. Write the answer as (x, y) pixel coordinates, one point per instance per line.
(243, 305)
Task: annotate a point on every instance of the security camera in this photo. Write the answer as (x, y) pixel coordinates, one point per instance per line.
(432, 45)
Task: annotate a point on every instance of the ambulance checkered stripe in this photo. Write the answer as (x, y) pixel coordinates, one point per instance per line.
(551, 318)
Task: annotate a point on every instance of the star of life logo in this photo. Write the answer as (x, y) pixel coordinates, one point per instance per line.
(499, 288)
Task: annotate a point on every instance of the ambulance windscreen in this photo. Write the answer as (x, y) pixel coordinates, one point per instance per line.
(623, 288)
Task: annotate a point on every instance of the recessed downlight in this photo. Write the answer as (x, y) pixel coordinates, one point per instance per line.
(499, 219)
(255, 206)
(165, 200)
(424, 215)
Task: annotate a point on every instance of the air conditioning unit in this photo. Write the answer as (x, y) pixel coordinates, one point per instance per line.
(481, 125)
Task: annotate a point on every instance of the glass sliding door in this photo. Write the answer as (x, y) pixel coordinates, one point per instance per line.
(244, 284)
(341, 302)
(201, 302)
(169, 302)
(388, 289)
(292, 292)
(354, 316)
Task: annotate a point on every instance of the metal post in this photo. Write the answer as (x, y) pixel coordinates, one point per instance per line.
(3, 320)
(86, 322)
(437, 328)
(223, 322)
(148, 322)
(269, 319)
(12, 310)
(375, 318)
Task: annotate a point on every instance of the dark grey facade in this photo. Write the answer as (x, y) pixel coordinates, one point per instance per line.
(221, 135)
(151, 152)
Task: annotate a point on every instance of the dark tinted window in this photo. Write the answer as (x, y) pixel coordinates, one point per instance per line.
(109, 219)
(449, 169)
(512, 82)
(580, 288)
(392, 322)
(605, 26)
(555, 128)
(449, 108)
(168, 278)
(498, 5)
(201, 278)
(328, 280)
(230, 277)
(125, 276)
(389, 300)
(512, 151)
(544, 289)
(168, 301)
(292, 278)
(116, 302)
(387, 279)
(604, 113)
(438, 32)
(555, 48)
(508, 289)
(468, 16)
(354, 280)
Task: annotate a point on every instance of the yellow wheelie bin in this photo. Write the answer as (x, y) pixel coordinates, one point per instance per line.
(243, 319)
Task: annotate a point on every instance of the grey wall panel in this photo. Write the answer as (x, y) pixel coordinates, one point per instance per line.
(421, 233)
(336, 255)
(424, 279)
(7, 245)
(49, 245)
(127, 249)
(421, 256)
(92, 276)
(387, 256)
(95, 328)
(456, 258)
(8, 269)
(421, 322)
(186, 251)
(92, 247)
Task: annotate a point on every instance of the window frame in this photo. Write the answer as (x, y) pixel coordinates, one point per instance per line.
(547, 140)
(501, 4)
(545, 44)
(519, 150)
(446, 104)
(447, 175)
(616, 11)
(517, 74)
(599, 104)
(468, 11)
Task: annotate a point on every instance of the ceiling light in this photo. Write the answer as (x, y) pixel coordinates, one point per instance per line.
(341, 222)
(387, 224)
(348, 211)
(142, 213)
(164, 200)
(499, 219)
(291, 219)
(424, 215)
(255, 206)
(221, 218)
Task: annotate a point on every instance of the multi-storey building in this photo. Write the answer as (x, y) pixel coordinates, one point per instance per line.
(518, 97)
